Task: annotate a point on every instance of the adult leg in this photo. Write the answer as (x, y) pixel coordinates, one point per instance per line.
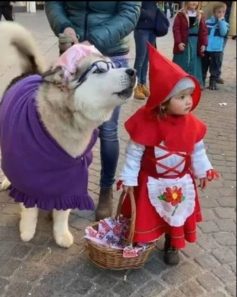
(141, 37)
(1, 12)
(28, 222)
(171, 8)
(152, 39)
(7, 12)
(109, 154)
(165, 8)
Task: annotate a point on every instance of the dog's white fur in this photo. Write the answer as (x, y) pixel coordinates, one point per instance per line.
(69, 112)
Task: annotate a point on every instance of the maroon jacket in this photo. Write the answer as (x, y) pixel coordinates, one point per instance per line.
(180, 31)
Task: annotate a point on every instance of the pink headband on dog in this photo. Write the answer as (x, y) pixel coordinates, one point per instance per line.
(70, 58)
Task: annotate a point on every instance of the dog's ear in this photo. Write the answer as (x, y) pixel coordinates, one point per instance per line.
(58, 77)
(54, 76)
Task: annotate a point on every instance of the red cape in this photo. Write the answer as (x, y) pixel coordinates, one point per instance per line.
(179, 133)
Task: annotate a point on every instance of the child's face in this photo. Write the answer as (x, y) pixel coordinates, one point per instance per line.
(193, 5)
(220, 13)
(181, 104)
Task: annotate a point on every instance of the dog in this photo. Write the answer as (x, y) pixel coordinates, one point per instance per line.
(48, 125)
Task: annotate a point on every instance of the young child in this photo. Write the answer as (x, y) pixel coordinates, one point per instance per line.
(217, 32)
(164, 156)
(190, 39)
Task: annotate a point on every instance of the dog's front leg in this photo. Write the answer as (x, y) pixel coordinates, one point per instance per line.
(28, 222)
(62, 235)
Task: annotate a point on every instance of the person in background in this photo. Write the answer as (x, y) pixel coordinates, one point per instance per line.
(105, 25)
(6, 10)
(190, 39)
(169, 5)
(217, 32)
(219, 79)
(143, 33)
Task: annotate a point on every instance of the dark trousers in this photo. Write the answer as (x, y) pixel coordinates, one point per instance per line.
(212, 61)
(222, 54)
(169, 5)
(6, 11)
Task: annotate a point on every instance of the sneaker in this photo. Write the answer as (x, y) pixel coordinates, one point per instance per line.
(138, 94)
(220, 80)
(145, 90)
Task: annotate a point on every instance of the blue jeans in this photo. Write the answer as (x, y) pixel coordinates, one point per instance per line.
(109, 143)
(141, 62)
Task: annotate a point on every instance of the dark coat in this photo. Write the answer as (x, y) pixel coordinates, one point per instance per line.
(148, 15)
(180, 31)
(5, 3)
(105, 24)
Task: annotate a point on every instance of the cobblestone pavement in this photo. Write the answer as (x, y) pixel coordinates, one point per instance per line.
(40, 268)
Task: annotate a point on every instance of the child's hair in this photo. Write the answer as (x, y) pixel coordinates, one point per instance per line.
(161, 110)
(198, 6)
(218, 6)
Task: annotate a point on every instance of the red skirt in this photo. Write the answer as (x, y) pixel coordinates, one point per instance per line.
(149, 226)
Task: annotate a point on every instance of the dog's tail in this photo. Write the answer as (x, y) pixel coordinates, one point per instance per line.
(16, 35)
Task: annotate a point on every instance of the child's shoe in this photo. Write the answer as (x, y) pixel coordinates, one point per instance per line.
(171, 255)
(145, 90)
(212, 84)
(138, 93)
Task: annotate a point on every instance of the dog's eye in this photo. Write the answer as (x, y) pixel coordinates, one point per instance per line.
(99, 70)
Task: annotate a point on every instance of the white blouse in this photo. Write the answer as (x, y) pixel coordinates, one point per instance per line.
(134, 152)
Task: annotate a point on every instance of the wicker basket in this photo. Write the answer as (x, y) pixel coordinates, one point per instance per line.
(109, 258)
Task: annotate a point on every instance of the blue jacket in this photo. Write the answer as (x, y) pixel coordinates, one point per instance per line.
(147, 18)
(105, 24)
(217, 32)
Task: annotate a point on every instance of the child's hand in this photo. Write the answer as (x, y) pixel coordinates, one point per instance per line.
(203, 183)
(128, 189)
(203, 47)
(181, 46)
(211, 174)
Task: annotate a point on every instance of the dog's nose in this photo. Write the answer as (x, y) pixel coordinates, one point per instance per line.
(131, 72)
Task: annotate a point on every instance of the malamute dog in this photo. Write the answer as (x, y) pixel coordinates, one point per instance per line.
(48, 124)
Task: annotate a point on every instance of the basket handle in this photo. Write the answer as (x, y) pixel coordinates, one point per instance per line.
(133, 213)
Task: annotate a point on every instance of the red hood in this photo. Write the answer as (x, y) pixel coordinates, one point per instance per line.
(163, 76)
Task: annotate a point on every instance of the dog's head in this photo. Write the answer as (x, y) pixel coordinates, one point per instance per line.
(95, 86)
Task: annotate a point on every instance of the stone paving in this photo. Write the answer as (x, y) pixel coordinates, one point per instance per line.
(40, 268)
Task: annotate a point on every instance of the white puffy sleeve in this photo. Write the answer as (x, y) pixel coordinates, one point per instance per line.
(200, 161)
(130, 171)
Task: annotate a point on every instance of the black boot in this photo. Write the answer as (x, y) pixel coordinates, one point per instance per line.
(212, 84)
(105, 206)
(171, 255)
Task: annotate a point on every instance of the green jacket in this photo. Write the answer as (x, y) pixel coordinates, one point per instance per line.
(105, 24)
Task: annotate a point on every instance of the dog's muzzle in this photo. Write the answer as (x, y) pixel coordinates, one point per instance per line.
(127, 93)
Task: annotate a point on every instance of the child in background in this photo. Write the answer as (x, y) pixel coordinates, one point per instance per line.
(217, 32)
(164, 156)
(190, 39)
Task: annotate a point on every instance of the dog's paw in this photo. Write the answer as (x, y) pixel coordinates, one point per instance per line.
(5, 184)
(27, 235)
(64, 240)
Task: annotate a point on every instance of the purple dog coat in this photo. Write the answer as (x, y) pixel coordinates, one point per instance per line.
(41, 173)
